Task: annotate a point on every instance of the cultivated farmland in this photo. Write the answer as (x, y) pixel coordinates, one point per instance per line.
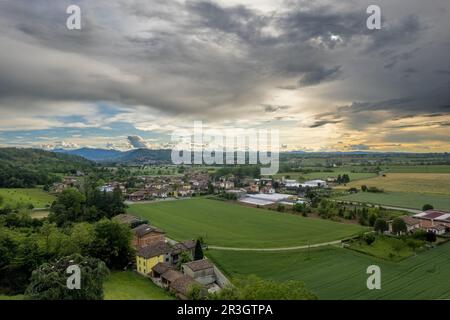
(336, 273)
(401, 199)
(232, 225)
(408, 182)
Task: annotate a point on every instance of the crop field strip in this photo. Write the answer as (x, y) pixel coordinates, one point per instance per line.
(336, 273)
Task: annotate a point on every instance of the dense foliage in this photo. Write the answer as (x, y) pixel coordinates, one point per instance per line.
(73, 206)
(26, 168)
(111, 244)
(366, 216)
(49, 281)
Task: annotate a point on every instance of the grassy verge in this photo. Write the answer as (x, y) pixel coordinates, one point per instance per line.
(129, 285)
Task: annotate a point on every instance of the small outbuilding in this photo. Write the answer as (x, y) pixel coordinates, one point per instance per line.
(200, 270)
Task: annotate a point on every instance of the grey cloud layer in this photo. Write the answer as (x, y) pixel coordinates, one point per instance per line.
(206, 59)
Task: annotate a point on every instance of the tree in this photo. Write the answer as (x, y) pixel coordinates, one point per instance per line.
(112, 244)
(198, 251)
(254, 288)
(49, 281)
(427, 207)
(345, 178)
(196, 292)
(81, 237)
(381, 225)
(185, 257)
(372, 219)
(399, 226)
(364, 188)
(431, 237)
(68, 207)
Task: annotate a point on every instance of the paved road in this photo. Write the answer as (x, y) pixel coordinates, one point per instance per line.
(277, 249)
(128, 202)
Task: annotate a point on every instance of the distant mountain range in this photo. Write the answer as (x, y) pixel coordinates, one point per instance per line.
(115, 156)
(163, 156)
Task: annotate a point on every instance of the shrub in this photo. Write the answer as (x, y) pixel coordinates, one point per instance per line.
(369, 238)
(381, 225)
(420, 235)
(431, 236)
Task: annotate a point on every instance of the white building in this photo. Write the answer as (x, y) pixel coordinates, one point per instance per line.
(314, 184)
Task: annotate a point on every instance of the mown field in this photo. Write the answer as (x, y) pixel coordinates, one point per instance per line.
(411, 200)
(336, 273)
(232, 225)
(129, 285)
(408, 182)
(35, 196)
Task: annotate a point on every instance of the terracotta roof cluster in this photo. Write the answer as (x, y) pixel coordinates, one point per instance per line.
(183, 246)
(162, 267)
(183, 284)
(144, 229)
(171, 275)
(198, 265)
(410, 221)
(154, 250)
(126, 219)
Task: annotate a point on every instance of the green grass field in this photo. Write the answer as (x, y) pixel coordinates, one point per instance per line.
(232, 225)
(35, 196)
(132, 286)
(336, 273)
(401, 199)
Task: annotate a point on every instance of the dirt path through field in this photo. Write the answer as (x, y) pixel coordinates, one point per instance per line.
(277, 249)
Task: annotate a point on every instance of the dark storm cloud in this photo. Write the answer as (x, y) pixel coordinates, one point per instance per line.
(404, 31)
(318, 76)
(321, 123)
(271, 108)
(137, 142)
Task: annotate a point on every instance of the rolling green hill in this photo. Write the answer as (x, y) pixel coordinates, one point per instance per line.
(26, 168)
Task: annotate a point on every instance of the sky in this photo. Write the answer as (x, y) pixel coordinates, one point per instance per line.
(139, 70)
